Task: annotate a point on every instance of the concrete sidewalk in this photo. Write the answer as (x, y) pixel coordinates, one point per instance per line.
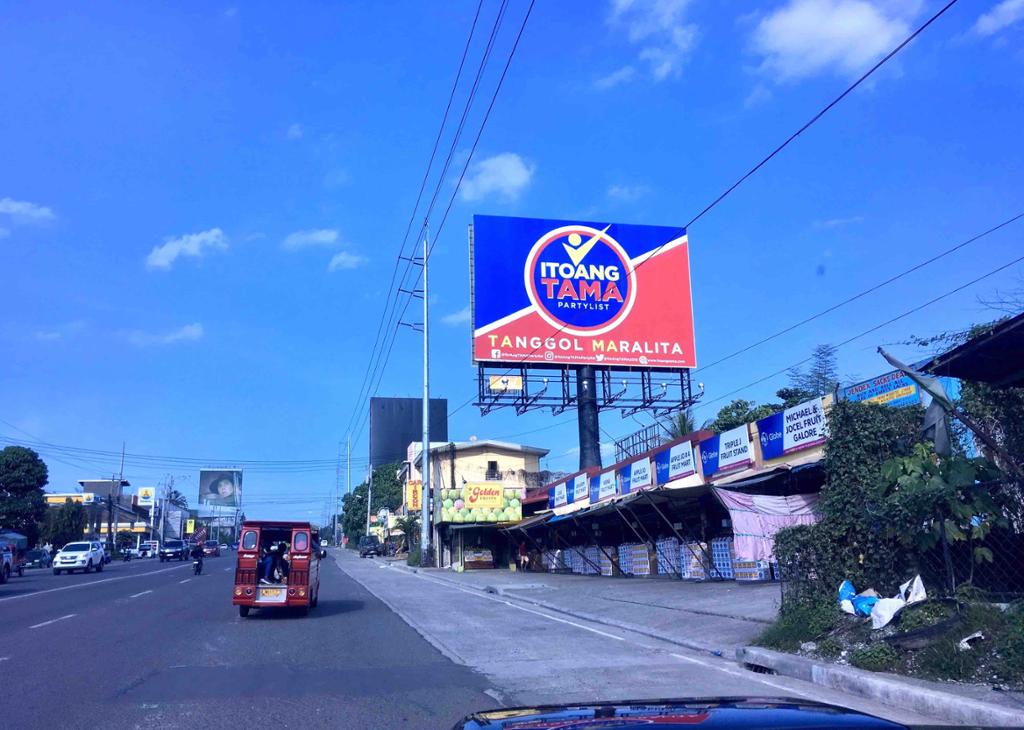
(716, 617)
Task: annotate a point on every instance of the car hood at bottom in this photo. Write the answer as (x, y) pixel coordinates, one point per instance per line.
(720, 712)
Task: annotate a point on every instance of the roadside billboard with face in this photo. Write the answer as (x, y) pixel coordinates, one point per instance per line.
(549, 292)
(220, 487)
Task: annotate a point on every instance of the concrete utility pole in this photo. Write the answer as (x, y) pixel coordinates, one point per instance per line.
(348, 467)
(426, 553)
(369, 498)
(587, 415)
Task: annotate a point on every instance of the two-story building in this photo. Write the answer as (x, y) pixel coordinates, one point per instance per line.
(477, 487)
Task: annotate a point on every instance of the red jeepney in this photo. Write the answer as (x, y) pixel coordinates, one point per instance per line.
(278, 566)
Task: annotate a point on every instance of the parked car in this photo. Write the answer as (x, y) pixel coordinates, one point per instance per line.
(370, 545)
(149, 548)
(84, 556)
(173, 550)
(38, 559)
(223, 547)
(211, 549)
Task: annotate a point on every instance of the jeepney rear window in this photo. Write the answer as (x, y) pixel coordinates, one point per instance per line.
(301, 541)
(249, 540)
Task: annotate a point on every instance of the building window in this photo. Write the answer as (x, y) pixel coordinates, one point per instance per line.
(492, 471)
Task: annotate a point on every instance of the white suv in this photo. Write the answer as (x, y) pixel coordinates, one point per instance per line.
(84, 556)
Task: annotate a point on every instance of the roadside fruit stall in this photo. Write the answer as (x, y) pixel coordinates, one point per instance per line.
(470, 519)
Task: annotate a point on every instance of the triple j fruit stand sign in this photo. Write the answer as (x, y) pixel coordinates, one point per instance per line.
(482, 502)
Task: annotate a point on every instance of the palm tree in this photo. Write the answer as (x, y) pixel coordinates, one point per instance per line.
(177, 499)
(410, 526)
(682, 423)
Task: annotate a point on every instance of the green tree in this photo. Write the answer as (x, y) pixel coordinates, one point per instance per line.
(739, 412)
(387, 493)
(792, 396)
(124, 541)
(22, 478)
(821, 376)
(176, 498)
(64, 524)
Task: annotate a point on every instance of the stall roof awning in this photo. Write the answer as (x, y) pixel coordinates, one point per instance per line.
(481, 525)
(531, 522)
(995, 357)
(748, 477)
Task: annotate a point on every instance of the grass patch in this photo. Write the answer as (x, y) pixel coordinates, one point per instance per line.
(1008, 662)
(878, 657)
(797, 624)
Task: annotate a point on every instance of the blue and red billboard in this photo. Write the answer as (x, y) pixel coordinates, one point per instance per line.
(581, 293)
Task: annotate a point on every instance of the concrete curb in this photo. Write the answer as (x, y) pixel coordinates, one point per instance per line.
(603, 620)
(884, 688)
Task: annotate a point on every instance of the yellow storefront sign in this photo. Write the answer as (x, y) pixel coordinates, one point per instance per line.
(190, 526)
(79, 497)
(905, 392)
(482, 495)
(414, 496)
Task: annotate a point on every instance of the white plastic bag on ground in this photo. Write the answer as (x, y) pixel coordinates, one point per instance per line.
(886, 608)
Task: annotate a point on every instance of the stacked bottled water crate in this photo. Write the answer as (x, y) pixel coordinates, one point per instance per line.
(668, 556)
(607, 567)
(722, 556)
(693, 558)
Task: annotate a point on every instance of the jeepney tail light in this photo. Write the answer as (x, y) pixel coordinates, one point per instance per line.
(248, 591)
(302, 592)
(291, 591)
(238, 591)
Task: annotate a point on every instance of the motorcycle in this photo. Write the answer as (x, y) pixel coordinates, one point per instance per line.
(197, 566)
(126, 555)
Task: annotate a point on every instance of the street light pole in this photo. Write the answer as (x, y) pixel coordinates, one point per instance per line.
(425, 547)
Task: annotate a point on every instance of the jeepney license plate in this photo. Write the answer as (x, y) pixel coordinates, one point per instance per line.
(271, 595)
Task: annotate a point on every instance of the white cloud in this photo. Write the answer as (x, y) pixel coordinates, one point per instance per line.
(807, 37)
(24, 211)
(61, 331)
(622, 76)
(194, 245)
(506, 175)
(839, 222)
(295, 131)
(659, 28)
(1000, 17)
(627, 193)
(305, 239)
(456, 318)
(187, 333)
(345, 260)
(757, 96)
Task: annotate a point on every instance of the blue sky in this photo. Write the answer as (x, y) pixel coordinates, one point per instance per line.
(200, 205)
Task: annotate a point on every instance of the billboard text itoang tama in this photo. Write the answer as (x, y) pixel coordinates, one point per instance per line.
(581, 293)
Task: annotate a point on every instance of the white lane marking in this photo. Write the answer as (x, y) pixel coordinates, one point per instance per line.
(4, 658)
(52, 621)
(184, 581)
(140, 594)
(227, 569)
(742, 674)
(564, 621)
(90, 583)
(478, 594)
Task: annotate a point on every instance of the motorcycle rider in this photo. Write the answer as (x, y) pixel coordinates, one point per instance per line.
(197, 554)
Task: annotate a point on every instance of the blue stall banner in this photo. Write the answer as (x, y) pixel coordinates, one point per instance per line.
(674, 463)
(636, 476)
(726, 451)
(794, 429)
(602, 486)
(892, 389)
(579, 488)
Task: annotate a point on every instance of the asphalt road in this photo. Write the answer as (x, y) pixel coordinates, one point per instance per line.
(146, 644)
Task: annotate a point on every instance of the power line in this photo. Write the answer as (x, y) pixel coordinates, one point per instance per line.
(483, 123)
(862, 294)
(771, 155)
(391, 285)
(870, 330)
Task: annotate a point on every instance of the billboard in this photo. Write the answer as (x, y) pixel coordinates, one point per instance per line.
(892, 389)
(801, 427)
(481, 502)
(146, 496)
(220, 487)
(58, 499)
(413, 496)
(549, 292)
(397, 422)
(726, 451)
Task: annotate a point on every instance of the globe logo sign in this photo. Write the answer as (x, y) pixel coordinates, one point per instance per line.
(580, 280)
